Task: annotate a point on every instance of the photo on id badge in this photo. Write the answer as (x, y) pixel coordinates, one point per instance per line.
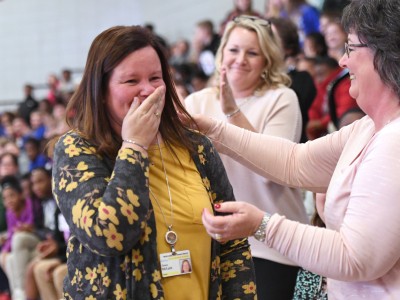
(186, 266)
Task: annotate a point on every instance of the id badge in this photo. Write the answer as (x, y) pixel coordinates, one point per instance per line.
(175, 264)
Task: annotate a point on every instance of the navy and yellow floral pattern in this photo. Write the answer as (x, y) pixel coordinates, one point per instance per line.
(112, 251)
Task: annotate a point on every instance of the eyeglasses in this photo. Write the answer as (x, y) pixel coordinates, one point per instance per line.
(257, 20)
(347, 47)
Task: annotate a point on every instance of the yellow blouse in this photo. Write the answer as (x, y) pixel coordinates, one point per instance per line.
(189, 198)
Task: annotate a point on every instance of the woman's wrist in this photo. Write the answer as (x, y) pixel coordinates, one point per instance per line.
(133, 142)
(260, 233)
(233, 113)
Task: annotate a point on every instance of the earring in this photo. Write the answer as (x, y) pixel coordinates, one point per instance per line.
(264, 75)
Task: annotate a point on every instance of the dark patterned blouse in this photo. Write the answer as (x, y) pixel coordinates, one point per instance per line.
(112, 251)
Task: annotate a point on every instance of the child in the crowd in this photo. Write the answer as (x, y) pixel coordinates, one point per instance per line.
(35, 155)
(21, 131)
(8, 166)
(37, 118)
(20, 223)
(43, 277)
(55, 123)
(26, 185)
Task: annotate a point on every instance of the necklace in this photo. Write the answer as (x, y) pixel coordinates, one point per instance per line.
(171, 237)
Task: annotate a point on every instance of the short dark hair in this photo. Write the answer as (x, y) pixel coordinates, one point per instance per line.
(12, 182)
(377, 24)
(334, 7)
(25, 176)
(288, 34)
(46, 171)
(319, 42)
(33, 141)
(328, 61)
(206, 24)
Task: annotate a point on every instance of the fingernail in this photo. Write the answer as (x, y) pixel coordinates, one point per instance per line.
(217, 206)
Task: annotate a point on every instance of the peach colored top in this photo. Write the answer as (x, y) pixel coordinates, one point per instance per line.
(273, 112)
(359, 170)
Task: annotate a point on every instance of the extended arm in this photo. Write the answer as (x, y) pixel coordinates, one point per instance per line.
(307, 165)
(363, 242)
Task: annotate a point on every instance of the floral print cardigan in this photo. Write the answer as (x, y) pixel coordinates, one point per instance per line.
(112, 251)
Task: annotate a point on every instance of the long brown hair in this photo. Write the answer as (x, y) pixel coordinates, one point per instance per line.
(87, 105)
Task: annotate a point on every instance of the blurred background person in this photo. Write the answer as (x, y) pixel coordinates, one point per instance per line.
(28, 105)
(36, 156)
(334, 7)
(241, 7)
(304, 15)
(333, 99)
(335, 38)
(20, 226)
(179, 53)
(204, 46)
(301, 81)
(38, 128)
(51, 250)
(315, 45)
(66, 85)
(55, 123)
(272, 8)
(53, 85)
(327, 17)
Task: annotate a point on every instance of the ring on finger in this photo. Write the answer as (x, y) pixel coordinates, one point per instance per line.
(218, 237)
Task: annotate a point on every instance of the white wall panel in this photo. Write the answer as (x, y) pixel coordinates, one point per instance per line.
(40, 37)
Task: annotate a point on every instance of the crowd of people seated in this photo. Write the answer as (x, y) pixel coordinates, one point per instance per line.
(33, 232)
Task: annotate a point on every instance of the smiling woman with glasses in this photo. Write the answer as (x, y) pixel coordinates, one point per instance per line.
(358, 167)
(348, 47)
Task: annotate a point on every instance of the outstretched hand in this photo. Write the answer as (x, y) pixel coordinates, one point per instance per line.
(242, 220)
(142, 121)
(203, 123)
